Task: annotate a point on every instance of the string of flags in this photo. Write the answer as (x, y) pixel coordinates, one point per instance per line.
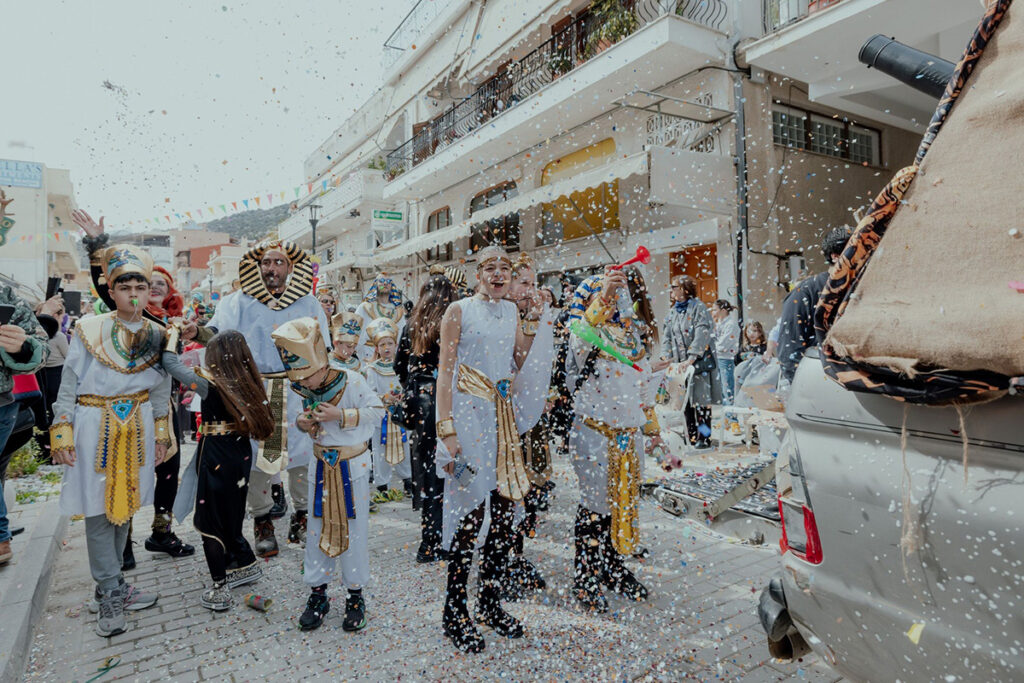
(259, 201)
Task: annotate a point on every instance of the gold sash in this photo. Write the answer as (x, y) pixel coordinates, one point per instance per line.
(394, 452)
(334, 529)
(623, 484)
(271, 457)
(120, 451)
(513, 481)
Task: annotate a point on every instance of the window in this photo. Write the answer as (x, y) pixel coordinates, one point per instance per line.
(504, 230)
(834, 137)
(441, 218)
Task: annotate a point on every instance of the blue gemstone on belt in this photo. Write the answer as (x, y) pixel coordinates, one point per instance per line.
(503, 387)
(331, 457)
(623, 441)
(122, 409)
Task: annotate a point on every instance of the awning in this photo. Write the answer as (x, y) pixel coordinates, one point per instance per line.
(633, 165)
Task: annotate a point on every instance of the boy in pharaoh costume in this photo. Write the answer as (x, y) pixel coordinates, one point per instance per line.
(277, 278)
(346, 328)
(383, 300)
(340, 412)
(111, 428)
(390, 444)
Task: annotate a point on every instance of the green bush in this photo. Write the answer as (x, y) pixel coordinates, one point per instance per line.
(25, 460)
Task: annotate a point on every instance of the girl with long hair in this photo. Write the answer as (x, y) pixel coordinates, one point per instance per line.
(235, 411)
(416, 365)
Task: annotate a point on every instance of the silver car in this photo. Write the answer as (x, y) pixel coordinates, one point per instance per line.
(896, 564)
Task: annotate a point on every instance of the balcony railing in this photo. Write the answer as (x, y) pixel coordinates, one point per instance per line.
(403, 37)
(669, 130)
(776, 14)
(574, 45)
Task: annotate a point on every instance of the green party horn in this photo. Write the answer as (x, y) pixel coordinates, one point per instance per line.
(588, 334)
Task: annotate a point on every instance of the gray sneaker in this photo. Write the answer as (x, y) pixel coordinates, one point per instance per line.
(111, 620)
(218, 598)
(245, 575)
(134, 600)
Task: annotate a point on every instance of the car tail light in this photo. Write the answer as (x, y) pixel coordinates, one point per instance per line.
(806, 546)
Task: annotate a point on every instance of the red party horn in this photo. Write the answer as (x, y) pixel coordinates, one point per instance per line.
(642, 256)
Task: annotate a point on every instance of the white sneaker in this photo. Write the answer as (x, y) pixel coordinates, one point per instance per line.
(111, 620)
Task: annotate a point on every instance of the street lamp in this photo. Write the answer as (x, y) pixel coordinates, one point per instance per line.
(209, 280)
(314, 218)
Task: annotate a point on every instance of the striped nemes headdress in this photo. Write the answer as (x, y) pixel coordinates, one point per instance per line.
(300, 282)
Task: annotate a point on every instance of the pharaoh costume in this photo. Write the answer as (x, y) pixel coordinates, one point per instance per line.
(255, 312)
(491, 405)
(614, 410)
(166, 488)
(339, 487)
(390, 443)
(347, 328)
(112, 409)
(215, 484)
(370, 309)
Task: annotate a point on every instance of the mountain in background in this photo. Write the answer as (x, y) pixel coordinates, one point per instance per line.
(250, 225)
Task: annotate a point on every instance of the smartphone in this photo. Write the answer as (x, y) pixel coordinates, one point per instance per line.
(6, 313)
(52, 287)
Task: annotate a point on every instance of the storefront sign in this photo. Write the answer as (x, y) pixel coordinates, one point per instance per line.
(21, 173)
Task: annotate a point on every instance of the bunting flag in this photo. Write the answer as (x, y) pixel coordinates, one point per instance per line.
(246, 202)
(257, 200)
(270, 199)
(234, 205)
(223, 209)
(297, 190)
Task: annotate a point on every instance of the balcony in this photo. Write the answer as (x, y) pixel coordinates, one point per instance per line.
(409, 29)
(526, 101)
(343, 207)
(817, 43)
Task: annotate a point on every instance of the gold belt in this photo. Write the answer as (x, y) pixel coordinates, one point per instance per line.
(513, 482)
(623, 484)
(120, 451)
(219, 428)
(333, 498)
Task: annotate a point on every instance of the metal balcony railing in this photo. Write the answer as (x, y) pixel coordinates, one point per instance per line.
(776, 14)
(574, 45)
(669, 130)
(409, 29)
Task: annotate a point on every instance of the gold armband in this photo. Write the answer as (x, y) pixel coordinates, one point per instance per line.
(599, 311)
(530, 327)
(162, 427)
(445, 428)
(651, 427)
(171, 338)
(349, 418)
(62, 436)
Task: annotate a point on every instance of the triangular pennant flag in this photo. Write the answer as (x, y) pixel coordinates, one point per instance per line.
(323, 184)
(246, 202)
(168, 218)
(257, 200)
(297, 189)
(178, 216)
(210, 209)
(270, 199)
(282, 196)
(336, 181)
(223, 209)
(234, 205)
(309, 188)
(189, 214)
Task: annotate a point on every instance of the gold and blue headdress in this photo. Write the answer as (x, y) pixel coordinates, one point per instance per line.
(347, 326)
(124, 259)
(381, 328)
(302, 347)
(582, 295)
(394, 293)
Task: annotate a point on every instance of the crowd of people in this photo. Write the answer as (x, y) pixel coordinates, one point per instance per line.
(459, 401)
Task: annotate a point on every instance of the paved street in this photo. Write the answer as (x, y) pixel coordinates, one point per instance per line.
(700, 623)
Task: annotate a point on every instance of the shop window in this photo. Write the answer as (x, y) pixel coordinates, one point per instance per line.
(502, 231)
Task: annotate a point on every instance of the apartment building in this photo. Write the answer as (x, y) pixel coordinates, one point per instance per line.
(726, 136)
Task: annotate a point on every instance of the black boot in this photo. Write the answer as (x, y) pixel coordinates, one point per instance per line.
(128, 557)
(355, 612)
(587, 581)
(521, 576)
(317, 607)
(297, 527)
(457, 625)
(163, 540)
(493, 569)
(280, 507)
(614, 572)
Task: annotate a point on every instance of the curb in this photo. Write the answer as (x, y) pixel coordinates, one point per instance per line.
(24, 601)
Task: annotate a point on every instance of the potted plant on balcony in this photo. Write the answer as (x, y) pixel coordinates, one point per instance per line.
(611, 21)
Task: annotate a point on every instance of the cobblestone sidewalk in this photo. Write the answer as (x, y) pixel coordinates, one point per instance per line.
(700, 623)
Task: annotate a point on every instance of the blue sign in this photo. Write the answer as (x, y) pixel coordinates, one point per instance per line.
(21, 173)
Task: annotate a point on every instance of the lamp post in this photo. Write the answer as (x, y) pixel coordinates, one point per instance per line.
(314, 218)
(209, 280)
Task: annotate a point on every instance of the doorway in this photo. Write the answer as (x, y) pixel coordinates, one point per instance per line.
(700, 263)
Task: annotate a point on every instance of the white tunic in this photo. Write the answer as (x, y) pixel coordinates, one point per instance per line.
(487, 343)
(318, 568)
(83, 488)
(615, 395)
(383, 384)
(369, 312)
(241, 312)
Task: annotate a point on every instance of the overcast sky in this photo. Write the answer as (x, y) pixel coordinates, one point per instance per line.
(212, 102)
